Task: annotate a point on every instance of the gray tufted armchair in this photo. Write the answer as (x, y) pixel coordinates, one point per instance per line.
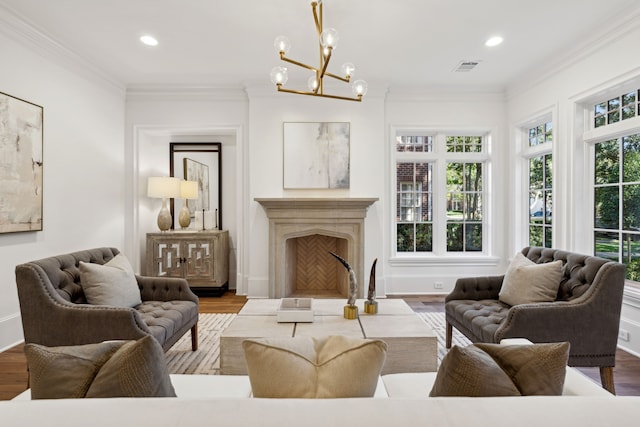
(586, 312)
(55, 312)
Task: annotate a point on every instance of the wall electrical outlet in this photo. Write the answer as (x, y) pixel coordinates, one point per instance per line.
(438, 285)
(623, 335)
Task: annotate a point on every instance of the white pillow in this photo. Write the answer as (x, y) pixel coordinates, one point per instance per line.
(526, 282)
(113, 283)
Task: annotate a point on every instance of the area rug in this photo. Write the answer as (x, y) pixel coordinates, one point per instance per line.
(437, 323)
(206, 360)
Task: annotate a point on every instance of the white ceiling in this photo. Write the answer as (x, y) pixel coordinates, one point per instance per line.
(399, 43)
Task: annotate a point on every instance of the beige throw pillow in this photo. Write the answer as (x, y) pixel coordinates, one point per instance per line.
(106, 369)
(113, 283)
(526, 282)
(305, 367)
(485, 370)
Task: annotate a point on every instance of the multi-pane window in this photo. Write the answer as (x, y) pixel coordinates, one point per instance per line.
(617, 202)
(539, 182)
(464, 207)
(414, 225)
(540, 201)
(446, 172)
(621, 107)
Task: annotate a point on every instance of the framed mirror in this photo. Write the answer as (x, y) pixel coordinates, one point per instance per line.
(200, 162)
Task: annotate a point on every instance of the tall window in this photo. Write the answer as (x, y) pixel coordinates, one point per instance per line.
(540, 185)
(617, 202)
(439, 172)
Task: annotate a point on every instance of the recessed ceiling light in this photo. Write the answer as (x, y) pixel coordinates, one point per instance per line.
(494, 41)
(149, 40)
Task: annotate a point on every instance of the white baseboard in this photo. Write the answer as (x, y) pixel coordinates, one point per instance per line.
(10, 331)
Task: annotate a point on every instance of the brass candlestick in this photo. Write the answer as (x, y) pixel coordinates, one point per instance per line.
(350, 312)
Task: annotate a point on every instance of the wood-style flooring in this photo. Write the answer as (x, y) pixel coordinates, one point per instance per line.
(13, 366)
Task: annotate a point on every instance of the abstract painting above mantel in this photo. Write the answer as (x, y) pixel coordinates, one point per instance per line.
(316, 155)
(21, 139)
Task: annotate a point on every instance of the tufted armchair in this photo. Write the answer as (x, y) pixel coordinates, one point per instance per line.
(586, 312)
(55, 311)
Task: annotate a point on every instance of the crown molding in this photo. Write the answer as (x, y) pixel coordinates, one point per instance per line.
(447, 93)
(19, 29)
(615, 29)
(186, 92)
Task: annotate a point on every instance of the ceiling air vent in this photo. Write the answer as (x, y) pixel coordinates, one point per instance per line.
(466, 66)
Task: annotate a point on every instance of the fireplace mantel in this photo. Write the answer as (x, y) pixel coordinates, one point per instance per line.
(290, 218)
(288, 206)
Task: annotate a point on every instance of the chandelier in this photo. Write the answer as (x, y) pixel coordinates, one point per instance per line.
(327, 41)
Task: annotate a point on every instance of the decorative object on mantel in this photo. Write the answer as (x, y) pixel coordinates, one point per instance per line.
(350, 310)
(327, 42)
(163, 187)
(188, 191)
(316, 155)
(21, 139)
(295, 310)
(371, 305)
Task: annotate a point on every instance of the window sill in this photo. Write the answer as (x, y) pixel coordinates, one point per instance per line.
(432, 260)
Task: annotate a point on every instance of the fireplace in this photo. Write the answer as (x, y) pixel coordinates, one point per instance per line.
(302, 231)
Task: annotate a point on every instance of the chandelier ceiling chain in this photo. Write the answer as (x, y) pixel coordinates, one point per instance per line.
(327, 41)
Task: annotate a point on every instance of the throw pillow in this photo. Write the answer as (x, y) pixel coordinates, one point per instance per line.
(526, 282)
(484, 370)
(113, 283)
(106, 369)
(306, 367)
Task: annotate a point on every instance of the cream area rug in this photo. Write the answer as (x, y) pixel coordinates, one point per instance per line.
(206, 360)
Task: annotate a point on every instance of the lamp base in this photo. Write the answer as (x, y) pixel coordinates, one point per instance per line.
(185, 216)
(350, 312)
(164, 217)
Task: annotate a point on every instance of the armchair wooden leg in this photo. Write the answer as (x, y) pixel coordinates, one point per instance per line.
(449, 334)
(194, 337)
(606, 377)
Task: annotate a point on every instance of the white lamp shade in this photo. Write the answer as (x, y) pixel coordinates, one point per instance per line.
(189, 190)
(163, 187)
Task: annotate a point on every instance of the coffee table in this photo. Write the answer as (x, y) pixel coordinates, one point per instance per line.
(411, 344)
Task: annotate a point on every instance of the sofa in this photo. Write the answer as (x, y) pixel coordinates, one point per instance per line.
(55, 310)
(400, 399)
(584, 311)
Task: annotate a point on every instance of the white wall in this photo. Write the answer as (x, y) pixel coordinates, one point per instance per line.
(591, 68)
(83, 160)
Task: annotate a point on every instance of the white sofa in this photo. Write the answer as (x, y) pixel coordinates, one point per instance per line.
(401, 399)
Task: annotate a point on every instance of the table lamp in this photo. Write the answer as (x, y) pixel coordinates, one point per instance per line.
(163, 187)
(188, 191)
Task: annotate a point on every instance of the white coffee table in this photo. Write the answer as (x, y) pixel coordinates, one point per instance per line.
(411, 344)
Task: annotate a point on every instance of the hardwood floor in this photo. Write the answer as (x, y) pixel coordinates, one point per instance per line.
(13, 366)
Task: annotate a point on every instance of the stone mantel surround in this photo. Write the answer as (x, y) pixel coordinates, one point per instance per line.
(297, 217)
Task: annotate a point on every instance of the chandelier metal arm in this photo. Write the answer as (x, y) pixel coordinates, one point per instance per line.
(324, 95)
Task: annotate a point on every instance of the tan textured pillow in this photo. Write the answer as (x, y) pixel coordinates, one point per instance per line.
(526, 282)
(306, 367)
(113, 283)
(484, 370)
(106, 369)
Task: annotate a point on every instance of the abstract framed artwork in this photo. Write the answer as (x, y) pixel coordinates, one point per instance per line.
(21, 140)
(199, 172)
(316, 155)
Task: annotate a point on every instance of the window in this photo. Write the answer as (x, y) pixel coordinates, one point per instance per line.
(617, 202)
(439, 193)
(538, 137)
(621, 107)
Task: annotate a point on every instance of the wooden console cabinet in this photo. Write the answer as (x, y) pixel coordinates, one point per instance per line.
(201, 257)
